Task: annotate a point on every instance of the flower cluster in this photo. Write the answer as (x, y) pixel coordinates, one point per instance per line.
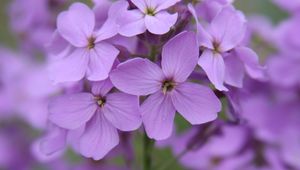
(99, 79)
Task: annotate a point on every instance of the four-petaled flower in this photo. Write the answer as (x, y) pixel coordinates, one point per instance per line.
(150, 15)
(167, 87)
(101, 112)
(90, 55)
(224, 58)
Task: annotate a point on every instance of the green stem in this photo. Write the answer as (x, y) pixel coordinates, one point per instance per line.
(153, 52)
(148, 147)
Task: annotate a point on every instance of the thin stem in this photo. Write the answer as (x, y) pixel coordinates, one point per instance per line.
(153, 52)
(148, 147)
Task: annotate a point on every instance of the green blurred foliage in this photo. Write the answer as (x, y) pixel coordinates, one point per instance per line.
(6, 37)
(261, 7)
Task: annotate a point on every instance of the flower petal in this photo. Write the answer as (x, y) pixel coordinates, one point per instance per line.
(234, 71)
(108, 30)
(54, 141)
(72, 111)
(99, 137)
(287, 78)
(132, 23)
(161, 22)
(141, 4)
(158, 115)
(102, 58)
(250, 59)
(71, 68)
(122, 110)
(76, 24)
(117, 7)
(228, 28)
(196, 103)
(137, 77)
(74, 136)
(213, 65)
(111, 25)
(203, 37)
(179, 56)
(233, 137)
(101, 88)
(164, 4)
(57, 45)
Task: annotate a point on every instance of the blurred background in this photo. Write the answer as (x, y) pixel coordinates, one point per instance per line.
(250, 7)
(20, 135)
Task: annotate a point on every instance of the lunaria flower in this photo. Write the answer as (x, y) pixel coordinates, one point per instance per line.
(151, 15)
(101, 113)
(91, 56)
(169, 92)
(224, 59)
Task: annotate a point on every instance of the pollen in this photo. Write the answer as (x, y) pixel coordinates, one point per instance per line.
(150, 11)
(91, 43)
(216, 46)
(101, 101)
(167, 86)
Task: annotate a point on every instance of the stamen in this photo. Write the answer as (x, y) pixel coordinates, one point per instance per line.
(150, 11)
(101, 101)
(167, 86)
(216, 46)
(91, 43)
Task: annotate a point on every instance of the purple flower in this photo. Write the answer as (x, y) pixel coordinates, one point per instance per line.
(212, 154)
(91, 56)
(292, 6)
(168, 88)
(101, 114)
(151, 15)
(208, 9)
(223, 58)
(53, 143)
(287, 37)
(24, 19)
(290, 77)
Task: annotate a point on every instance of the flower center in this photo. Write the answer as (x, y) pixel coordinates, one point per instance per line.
(150, 11)
(216, 46)
(91, 42)
(216, 160)
(168, 85)
(101, 101)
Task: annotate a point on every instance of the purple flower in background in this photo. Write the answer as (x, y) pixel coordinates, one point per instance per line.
(290, 5)
(220, 152)
(208, 9)
(151, 15)
(101, 112)
(34, 27)
(53, 143)
(23, 18)
(168, 88)
(223, 58)
(91, 56)
(287, 38)
(290, 77)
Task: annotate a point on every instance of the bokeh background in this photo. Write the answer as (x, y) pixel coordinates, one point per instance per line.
(249, 7)
(7, 39)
